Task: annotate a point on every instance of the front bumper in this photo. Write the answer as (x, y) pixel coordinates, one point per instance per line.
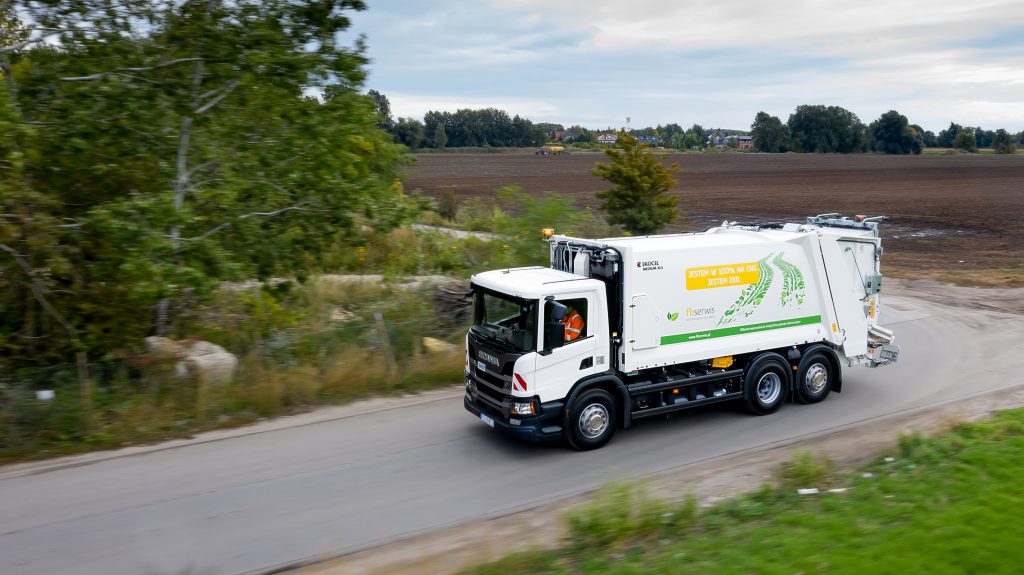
(544, 427)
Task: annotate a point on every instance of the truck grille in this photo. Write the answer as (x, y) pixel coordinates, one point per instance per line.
(491, 391)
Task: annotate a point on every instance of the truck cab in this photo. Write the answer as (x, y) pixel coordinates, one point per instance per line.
(520, 364)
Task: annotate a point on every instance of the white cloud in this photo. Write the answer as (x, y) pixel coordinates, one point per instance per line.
(717, 63)
(416, 105)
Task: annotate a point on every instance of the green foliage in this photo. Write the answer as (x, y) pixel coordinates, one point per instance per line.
(448, 204)
(621, 512)
(1003, 143)
(409, 132)
(440, 137)
(826, 129)
(298, 345)
(804, 469)
(139, 190)
(769, 133)
(944, 506)
(487, 127)
(382, 107)
(891, 133)
(947, 137)
(638, 199)
(965, 141)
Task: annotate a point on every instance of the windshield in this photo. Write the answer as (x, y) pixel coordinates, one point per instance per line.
(510, 321)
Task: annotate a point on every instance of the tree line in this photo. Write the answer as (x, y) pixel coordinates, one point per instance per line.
(809, 129)
(829, 129)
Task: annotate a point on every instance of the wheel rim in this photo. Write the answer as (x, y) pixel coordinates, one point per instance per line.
(593, 421)
(816, 378)
(768, 388)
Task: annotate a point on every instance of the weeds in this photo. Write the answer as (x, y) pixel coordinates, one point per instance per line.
(624, 511)
(804, 469)
(946, 504)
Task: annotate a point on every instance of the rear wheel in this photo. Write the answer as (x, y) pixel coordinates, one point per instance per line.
(814, 378)
(591, 424)
(766, 386)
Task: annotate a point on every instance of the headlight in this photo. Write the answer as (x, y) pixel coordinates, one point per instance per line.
(470, 387)
(524, 408)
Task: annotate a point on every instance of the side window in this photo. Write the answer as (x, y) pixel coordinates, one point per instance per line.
(575, 321)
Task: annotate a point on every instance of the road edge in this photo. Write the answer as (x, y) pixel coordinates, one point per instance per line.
(314, 417)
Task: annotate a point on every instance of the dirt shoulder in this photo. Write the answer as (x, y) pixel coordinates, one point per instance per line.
(712, 480)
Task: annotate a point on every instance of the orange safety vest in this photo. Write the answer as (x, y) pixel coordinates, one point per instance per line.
(573, 326)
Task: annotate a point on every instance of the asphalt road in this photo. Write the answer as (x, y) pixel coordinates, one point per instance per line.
(255, 502)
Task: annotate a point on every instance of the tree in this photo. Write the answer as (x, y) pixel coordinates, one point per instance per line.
(983, 138)
(769, 133)
(965, 141)
(409, 132)
(928, 138)
(638, 199)
(171, 148)
(1003, 143)
(947, 137)
(382, 106)
(891, 133)
(698, 134)
(440, 137)
(826, 129)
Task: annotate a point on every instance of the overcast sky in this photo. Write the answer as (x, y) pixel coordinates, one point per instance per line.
(714, 62)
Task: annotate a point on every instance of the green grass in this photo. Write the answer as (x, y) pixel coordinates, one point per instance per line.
(950, 504)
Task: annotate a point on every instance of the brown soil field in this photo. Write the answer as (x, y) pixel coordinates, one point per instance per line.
(952, 218)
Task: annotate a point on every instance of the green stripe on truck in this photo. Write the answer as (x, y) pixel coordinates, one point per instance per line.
(740, 329)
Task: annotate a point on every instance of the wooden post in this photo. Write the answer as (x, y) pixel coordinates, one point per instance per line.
(385, 343)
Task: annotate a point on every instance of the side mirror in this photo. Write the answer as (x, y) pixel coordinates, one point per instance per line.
(558, 311)
(554, 336)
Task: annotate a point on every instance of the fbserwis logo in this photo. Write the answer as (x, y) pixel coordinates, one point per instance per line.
(649, 265)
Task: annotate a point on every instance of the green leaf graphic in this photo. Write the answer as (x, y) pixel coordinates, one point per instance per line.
(793, 290)
(751, 296)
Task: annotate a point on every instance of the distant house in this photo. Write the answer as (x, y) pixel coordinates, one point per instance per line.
(742, 142)
(607, 138)
(717, 141)
(650, 140)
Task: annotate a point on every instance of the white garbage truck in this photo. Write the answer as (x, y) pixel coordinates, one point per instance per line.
(752, 313)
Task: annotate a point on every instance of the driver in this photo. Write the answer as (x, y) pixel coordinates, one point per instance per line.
(573, 323)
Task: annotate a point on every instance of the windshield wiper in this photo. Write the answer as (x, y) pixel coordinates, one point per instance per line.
(492, 338)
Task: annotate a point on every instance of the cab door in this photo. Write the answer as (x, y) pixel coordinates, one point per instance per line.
(558, 368)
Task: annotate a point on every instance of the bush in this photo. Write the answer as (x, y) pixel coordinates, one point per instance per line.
(804, 470)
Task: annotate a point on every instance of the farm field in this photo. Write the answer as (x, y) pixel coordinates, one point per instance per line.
(953, 218)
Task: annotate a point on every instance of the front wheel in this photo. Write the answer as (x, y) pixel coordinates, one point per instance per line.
(591, 424)
(814, 378)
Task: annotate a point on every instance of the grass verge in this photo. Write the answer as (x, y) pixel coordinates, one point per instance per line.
(948, 504)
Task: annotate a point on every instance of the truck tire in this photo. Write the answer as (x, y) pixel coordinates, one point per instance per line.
(766, 383)
(814, 378)
(591, 423)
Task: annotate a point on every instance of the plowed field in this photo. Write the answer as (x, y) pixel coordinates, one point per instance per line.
(953, 218)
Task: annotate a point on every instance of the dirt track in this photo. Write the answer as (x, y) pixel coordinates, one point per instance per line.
(953, 218)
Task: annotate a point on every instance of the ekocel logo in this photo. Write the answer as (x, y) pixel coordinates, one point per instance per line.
(649, 265)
